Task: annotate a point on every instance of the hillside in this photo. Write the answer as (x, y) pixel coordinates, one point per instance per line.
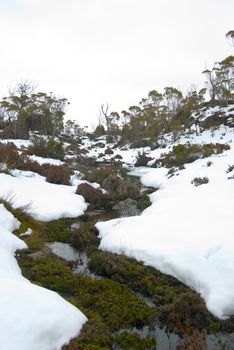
(184, 231)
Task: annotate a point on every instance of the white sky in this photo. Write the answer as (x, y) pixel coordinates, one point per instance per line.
(115, 51)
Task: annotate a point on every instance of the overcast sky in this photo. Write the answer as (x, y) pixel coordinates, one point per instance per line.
(115, 51)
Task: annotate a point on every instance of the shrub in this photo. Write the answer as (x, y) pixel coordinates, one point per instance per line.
(47, 148)
(58, 174)
(126, 341)
(99, 175)
(9, 155)
(93, 196)
(142, 159)
(194, 341)
(188, 153)
(230, 168)
(118, 156)
(143, 202)
(197, 181)
(185, 313)
(57, 231)
(109, 151)
(84, 238)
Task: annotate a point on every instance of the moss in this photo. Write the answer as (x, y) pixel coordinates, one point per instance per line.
(131, 341)
(136, 275)
(57, 230)
(117, 306)
(84, 238)
(143, 202)
(37, 239)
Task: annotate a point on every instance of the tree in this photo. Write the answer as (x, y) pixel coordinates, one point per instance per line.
(18, 107)
(230, 36)
(25, 110)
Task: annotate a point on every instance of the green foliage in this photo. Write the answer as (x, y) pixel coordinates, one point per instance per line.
(132, 341)
(94, 196)
(142, 159)
(85, 238)
(27, 110)
(136, 275)
(117, 306)
(143, 202)
(57, 230)
(37, 239)
(47, 148)
(188, 153)
(198, 181)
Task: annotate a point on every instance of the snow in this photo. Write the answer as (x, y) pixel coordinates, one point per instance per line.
(45, 201)
(18, 143)
(189, 231)
(42, 160)
(33, 318)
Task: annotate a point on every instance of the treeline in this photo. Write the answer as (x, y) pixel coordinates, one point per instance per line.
(25, 110)
(169, 111)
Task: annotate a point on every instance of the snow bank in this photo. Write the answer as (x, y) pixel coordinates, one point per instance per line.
(46, 201)
(187, 232)
(32, 318)
(42, 160)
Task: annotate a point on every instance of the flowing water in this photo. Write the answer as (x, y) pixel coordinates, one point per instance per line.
(165, 340)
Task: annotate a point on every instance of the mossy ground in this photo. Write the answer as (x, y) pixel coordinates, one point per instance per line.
(111, 303)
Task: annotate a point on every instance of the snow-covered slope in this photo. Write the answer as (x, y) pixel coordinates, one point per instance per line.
(32, 318)
(188, 231)
(46, 201)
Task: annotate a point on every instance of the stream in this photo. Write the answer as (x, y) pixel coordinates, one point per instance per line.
(165, 340)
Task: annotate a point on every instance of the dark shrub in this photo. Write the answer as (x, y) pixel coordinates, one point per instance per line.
(92, 195)
(187, 312)
(58, 174)
(9, 155)
(118, 156)
(99, 175)
(194, 341)
(47, 148)
(142, 159)
(57, 231)
(108, 151)
(230, 168)
(84, 238)
(188, 153)
(197, 181)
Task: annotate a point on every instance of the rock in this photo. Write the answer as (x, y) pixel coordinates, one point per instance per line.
(125, 204)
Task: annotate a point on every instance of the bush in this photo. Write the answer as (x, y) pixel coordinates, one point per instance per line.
(47, 148)
(84, 238)
(9, 155)
(94, 196)
(197, 181)
(58, 174)
(57, 231)
(99, 175)
(143, 202)
(142, 159)
(187, 312)
(108, 151)
(128, 341)
(194, 341)
(188, 153)
(230, 168)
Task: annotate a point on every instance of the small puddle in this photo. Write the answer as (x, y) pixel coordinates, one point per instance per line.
(68, 253)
